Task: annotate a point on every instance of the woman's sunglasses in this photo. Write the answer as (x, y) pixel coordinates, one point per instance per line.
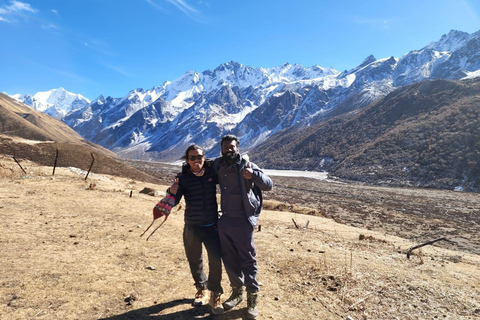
(193, 158)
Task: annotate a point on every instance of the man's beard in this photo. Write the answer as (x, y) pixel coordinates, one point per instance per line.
(230, 156)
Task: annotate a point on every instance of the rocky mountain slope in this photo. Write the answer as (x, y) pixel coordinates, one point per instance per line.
(255, 103)
(425, 134)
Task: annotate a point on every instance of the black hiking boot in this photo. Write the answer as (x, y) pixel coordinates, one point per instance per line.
(252, 310)
(235, 298)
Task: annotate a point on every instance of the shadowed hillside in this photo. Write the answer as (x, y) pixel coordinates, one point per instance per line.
(423, 135)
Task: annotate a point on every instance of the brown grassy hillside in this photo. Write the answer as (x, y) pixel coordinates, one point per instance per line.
(73, 251)
(17, 119)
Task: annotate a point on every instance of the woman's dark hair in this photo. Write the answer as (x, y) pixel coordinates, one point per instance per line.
(192, 147)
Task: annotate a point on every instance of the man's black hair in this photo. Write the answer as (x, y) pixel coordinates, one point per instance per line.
(230, 137)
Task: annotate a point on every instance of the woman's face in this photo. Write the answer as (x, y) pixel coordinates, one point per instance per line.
(196, 159)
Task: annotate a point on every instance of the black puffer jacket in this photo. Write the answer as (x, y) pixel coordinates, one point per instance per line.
(200, 195)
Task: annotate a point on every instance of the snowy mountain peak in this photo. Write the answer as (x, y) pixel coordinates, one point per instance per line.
(253, 103)
(230, 65)
(100, 100)
(368, 60)
(451, 41)
(371, 58)
(55, 102)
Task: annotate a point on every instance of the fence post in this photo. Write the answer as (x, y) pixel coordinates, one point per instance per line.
(55, 164)
(91, 165)
(19, 165)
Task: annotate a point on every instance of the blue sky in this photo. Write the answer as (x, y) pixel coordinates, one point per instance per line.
(110, 47)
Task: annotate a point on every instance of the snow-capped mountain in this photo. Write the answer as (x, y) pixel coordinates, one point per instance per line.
(56, 103)
(207, 104)
(255, 103)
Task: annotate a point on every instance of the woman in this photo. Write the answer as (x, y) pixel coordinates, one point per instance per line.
(197, 184)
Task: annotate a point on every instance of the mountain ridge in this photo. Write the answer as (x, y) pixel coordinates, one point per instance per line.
(256, 104)
(200, 100)
(424, 135)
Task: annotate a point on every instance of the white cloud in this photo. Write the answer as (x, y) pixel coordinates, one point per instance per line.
(98, 46)
(379, 23)
(49, 26)
(73, 76)
(183, 6)
(15, 8)
(156, 5)
(469, 10)
(118, 70)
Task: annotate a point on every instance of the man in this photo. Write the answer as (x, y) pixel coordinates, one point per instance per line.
(241, 183)
(197, 184)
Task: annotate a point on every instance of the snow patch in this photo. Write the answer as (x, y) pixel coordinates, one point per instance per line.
(472, 75)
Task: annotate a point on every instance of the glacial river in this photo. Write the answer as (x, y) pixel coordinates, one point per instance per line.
(295, 173)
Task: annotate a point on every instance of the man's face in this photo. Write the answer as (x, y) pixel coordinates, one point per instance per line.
(229, 150)
(196, 159)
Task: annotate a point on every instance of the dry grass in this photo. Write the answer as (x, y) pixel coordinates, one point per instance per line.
(69, 155)
(282, 206)
(72, 251)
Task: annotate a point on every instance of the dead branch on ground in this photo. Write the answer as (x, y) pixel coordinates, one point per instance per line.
(409, 252)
